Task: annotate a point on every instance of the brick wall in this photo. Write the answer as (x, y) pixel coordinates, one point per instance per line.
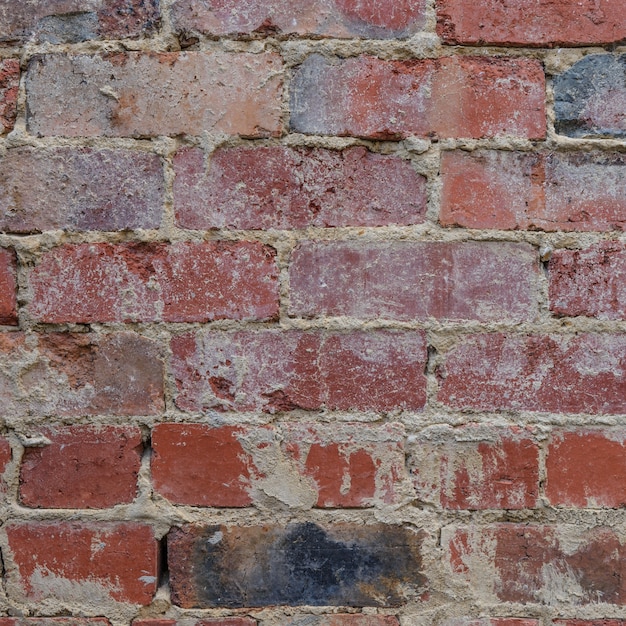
(313, 312)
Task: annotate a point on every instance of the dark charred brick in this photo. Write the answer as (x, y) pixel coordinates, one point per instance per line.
(590, 97)
(301, 564)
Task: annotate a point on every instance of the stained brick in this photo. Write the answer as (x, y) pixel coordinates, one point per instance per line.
(82, 467)
(589, 282)
(274, 371)
(297, 564)
(54, 621)
(278, 187)
(180, 282)
(147, 94)
(343, 620)
(583, 373)
(76, 374)
(405, 281)
(560, 22)
(90, 560)
(343, 18)
(9, 87)
(534, 191)
(79, 189)
(448, 97)
(8, 288)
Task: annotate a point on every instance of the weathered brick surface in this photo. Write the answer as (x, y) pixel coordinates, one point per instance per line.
(180, 282)
(300, 564)
(224, 621)
(589, 622)
(449, 97)
(136, 94)
(74, 374)
(92, 560)
(5, 458)
(586, 468)
(478, 468)
(405, 281)
(490, 621)
(342, 18)
(53, 621)
(552, 191)
(276, 187)
(589, 282)
(71, 21)
(516, 22)
(583, 373)
(9, 85)
(8, 288)
(590, 97)
(343, 620)
(531, 563)
(82, 467)
(80, 189)
(273, 371)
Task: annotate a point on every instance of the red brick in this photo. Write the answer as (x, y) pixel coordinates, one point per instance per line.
(278, 187)
(80, 189)
(448, 97)
(343, 620)
(72, 21)
(5, 458)
(490, 621)
(54, 621)
(583, 373)
(589, 282)
(132, 94)
(77, 562)
(529, 563)
(154, 622)
(75, 374)
(587, 468)
(589, 622)
(274, 371)
(350, 466)
(478, 468)
(406, 280)
(200, 465)
(180, 282)
(9, 87)
(8, 288)
(534, 191)
(544, 24)
(83, 467)
(227, 621)
(344, 18)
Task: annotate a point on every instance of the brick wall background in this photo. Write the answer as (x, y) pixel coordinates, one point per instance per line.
(313, 312)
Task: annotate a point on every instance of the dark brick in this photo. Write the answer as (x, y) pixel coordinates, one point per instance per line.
(300, 564)
(590, 97)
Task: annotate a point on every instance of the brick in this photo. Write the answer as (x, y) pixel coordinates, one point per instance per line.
(586, 468)
(227, 621)
(82, 467)
(532, 563)
(8, 288)
(199, 465)
(279, 187)
(448, 97)
(54, 621)
(590, 97)
(589, 622)
(77, 562)
(534, 191)
(274, 371)
(343, 620)
(154, 622)
(477, 467)
(9, 87)
(344, 18)
(132, 94)
(72, 21)
(5, 458)
(80, 189)
(490, 621)
(75, 374)
(414, 281)
(583, 373)
(515, 23)
(179, 282)
(298, 564)
(589, 282)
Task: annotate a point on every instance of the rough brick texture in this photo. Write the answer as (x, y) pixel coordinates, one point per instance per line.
(108, 561)
(185, 282)
(274, 187)
(82, 467)
(9, 85)
(450, 97)
(135, 94)
(8, 288)
(405, 281)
